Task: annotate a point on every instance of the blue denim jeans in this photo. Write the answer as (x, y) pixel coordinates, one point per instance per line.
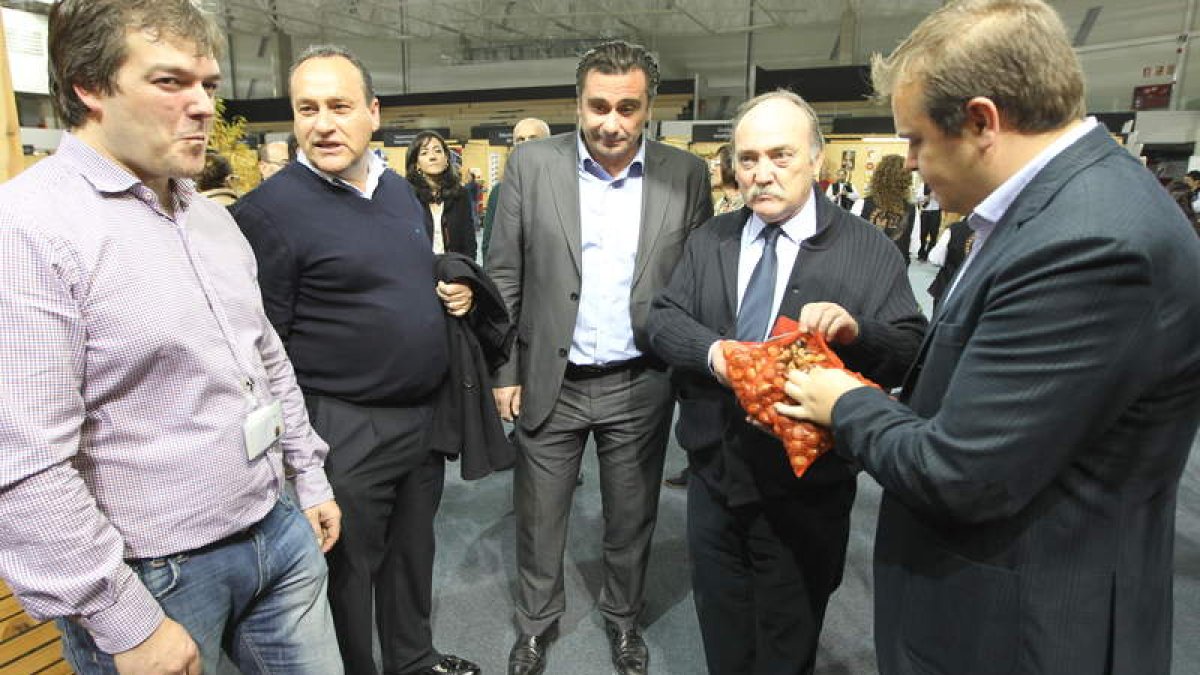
(254, 603)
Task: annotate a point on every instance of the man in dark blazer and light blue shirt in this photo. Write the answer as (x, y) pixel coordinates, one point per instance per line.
(767, 549)
(1031, 466)
(589, 227)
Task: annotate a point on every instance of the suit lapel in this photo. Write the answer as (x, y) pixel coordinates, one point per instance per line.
(1081, 154)
(564, 187)
(729, 249)
(657, 194)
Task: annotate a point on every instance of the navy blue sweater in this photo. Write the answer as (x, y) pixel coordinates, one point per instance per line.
(348, 284)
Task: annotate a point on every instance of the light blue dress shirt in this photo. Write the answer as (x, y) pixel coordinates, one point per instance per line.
(801, 226)
(991, 210)
(610, 218)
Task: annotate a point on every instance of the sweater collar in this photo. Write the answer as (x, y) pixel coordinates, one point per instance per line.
(375, 169)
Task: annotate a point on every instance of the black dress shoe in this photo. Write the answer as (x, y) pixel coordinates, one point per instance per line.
(452, 665)
(629, 653)
(528, 653)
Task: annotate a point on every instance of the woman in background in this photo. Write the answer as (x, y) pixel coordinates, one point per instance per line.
(723, 181)
(888, 205)
(447, 207)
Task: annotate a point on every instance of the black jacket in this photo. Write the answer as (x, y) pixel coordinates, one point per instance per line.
(466, 422)
(956, 252)
(848, 262)
(1031, 466)
(458, 227)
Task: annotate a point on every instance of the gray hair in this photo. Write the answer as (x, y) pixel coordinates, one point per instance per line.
(816, 143)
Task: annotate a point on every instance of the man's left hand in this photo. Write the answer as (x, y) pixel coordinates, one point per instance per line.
(815, 392)
(326, 521)
(829, 320)
(458, 298)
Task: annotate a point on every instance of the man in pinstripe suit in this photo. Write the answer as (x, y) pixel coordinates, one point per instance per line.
(1031, 465)
(767, 548)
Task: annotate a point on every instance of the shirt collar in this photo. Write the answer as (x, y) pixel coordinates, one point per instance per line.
(636, 168)
(992, 209)
(801, 226)
(108, 177)
(375, 169)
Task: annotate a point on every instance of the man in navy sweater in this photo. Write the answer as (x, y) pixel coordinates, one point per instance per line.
(346, 270)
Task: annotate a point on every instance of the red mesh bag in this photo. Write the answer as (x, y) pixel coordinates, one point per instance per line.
(758, 370)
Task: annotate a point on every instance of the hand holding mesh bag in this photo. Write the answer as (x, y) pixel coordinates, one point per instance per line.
(757, 372)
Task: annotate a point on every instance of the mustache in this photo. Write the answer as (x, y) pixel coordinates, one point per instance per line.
(609, 136)
(757, 191)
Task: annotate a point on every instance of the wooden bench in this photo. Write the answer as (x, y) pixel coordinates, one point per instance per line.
(26, 646)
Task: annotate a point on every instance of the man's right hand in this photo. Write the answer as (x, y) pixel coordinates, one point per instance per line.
(716, 360)
(508, 402)
(168, 651)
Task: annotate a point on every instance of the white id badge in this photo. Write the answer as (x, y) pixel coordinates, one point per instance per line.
(263, 428)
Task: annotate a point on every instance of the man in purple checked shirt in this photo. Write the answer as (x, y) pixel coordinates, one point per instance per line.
(147, 408)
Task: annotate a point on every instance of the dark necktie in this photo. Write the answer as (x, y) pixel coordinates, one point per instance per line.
(755, 314)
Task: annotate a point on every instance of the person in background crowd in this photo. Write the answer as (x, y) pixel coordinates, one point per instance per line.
(347, 276)
(931, 221)
(216, 179)
(824, 179)
(887, 207)
(473, 188)
(434, 178)
(147, 409)
(951, 249)
(1031, 464)
(528, 129)
(272, 157)
(724, 181)
(1182, 194)
(767, 549)
(841, 191)
(589, 226)
(1192, 178)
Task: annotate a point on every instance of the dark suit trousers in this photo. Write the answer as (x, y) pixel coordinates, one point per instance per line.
(628, 413)
(762, 574)
(388, 486)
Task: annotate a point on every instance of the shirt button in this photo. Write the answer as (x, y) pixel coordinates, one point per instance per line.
(562, 352)
(574, 297)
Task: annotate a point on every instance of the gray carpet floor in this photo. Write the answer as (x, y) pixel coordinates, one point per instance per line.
(475, 571)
